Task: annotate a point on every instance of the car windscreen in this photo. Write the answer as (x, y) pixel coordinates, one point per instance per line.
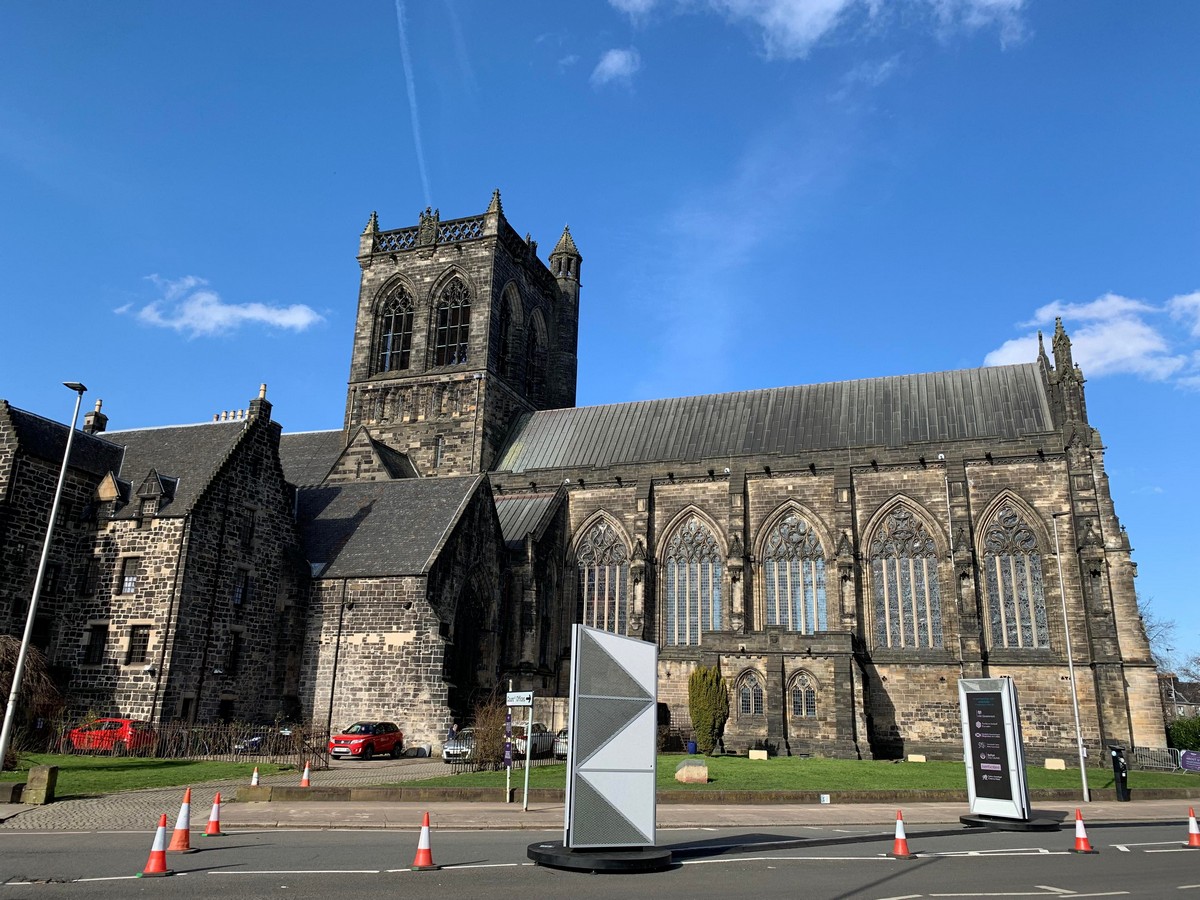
(360, 728)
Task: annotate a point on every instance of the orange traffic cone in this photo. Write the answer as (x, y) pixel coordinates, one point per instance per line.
(156, 865)
(304, 779)
(181, 838)
(1193, 841)
(1082, 845)
(900, 845)
(254, 778)
(423, 862)
(214, 819)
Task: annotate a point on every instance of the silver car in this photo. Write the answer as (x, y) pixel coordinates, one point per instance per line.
(460, 748)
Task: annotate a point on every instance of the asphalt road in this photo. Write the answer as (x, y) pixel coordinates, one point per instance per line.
(1144, 860)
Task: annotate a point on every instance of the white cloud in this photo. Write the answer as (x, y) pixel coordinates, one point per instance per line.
(1186, 308)
(189, 307)
(616, 65)
(867, 75)
(1113, 335)
(791, 28)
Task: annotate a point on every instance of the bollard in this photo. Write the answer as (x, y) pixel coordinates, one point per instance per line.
(1120, 772)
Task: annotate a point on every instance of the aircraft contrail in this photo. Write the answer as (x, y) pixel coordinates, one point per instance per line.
(412, 100)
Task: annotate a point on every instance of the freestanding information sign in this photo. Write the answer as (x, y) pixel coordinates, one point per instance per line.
(992, 748)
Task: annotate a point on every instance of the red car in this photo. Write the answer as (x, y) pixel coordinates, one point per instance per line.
(365, 739)
(113, 735)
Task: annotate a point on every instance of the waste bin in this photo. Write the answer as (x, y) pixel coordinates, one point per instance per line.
(1120, 772)
(691, 747)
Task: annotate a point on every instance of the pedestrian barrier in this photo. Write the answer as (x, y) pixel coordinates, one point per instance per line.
(181, 839)
(1082, 845)
(423, 861)
(214, 819)
(900, 844)
(156, 865)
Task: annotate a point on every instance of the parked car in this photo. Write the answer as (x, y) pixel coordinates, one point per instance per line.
(561, 744)
(543, 740)
(113, 735)
(460, 747)
(268, 740)
(365, 739)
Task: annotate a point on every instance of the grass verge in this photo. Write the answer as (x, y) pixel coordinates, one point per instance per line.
(90, 776)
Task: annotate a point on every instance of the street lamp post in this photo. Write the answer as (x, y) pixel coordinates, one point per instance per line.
(1062, 593)
(19, 670)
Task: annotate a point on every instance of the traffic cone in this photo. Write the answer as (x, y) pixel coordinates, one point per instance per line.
(181, 838)
(423, 862)
(214, 819)
(156, 865)
(1082, 845)
(900, 845)
(304, 779)
(254, 778)
(1193, 841)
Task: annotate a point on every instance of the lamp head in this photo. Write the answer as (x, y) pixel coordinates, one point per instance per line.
(75, 386)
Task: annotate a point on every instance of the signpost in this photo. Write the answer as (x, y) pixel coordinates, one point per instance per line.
(520, 699)
(992, 748)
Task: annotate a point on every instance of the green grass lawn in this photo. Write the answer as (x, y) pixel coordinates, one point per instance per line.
(731, 773)
(90, 776)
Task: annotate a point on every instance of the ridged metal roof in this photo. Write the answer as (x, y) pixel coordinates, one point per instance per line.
(522, 513)
(996, 402)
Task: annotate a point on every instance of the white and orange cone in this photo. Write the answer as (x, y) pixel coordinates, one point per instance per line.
(156, 865)
(305, 781)
(181, 838)
(423, 861)
(900, 844)
(254, 778)
(1193, 841)
(1082, 844)
(214, 819)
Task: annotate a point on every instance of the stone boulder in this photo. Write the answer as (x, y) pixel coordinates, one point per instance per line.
(691, 771)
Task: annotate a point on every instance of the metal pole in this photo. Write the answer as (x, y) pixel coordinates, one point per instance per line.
(19, 671)
(528, 754)
(1062, 593)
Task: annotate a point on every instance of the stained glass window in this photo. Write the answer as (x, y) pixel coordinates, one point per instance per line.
(453, 325)
(1012, 570)
(693, 584)
(904, 581)
(794, 576)
(603, 579)
(394, 331)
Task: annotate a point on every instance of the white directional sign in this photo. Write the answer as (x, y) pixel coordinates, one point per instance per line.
(519, 698)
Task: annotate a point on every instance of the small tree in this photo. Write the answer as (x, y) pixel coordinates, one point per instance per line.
(1184, 734)
(39, 697)
(708, 704)
(488, 749)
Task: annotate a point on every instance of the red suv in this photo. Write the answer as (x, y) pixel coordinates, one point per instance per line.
(365, 739)
(113, 735)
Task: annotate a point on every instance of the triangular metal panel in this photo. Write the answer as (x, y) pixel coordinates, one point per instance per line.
(599, 822)
(632, 747)
(626, 792)
(601, 672)
(598, 719)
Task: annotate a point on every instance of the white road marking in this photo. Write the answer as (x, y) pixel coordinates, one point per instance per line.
(299, 872)
(1014, 851)
(1122, 848)
(710, 862)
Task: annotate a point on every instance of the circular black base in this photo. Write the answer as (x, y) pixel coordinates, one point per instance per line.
(996, 823)
(556, 856)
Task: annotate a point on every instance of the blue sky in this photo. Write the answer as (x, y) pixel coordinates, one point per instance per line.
(765, 192)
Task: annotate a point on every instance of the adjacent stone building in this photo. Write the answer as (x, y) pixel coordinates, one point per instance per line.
(843, 552)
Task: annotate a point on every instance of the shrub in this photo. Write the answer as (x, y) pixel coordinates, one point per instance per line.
(708, 704)
(488, 751)
(1184, 734)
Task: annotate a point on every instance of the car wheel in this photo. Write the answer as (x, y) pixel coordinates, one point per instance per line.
(368, 752)
(397, 750)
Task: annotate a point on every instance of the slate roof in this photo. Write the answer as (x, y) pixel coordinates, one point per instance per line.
(191, 454)
(47, 439)
(522, 513)
(307, 456)
(996, 402)
(380, 528)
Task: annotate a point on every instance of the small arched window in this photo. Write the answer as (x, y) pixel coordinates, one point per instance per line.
(393, 329)
(750, 696)
(693, 584)
(904, 583)
(804, 698)
(1013, 578)
(453, 325)
(504, 356)
(794, 576)
(535, 365)
(603, 579)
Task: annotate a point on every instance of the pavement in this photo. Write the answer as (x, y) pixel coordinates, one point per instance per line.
(139, 810)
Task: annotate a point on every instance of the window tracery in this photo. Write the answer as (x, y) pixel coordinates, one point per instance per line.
(804, 697)
(1013, 580)
(750, 696)
(908, 606)
(603, 564)
(453, 325)
(692, 598)
(794, 576)
(394, 330)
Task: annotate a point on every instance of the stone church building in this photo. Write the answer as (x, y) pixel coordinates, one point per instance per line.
(844, 552)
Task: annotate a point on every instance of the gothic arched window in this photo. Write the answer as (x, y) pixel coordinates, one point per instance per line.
(504, 357)
(603, 579)
(453, 325)
(804, 697)
(793, 568)
(750, 696)
(394, 328)
(693, 584)
(908, 606)
(1013, 577)
(535, 365)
